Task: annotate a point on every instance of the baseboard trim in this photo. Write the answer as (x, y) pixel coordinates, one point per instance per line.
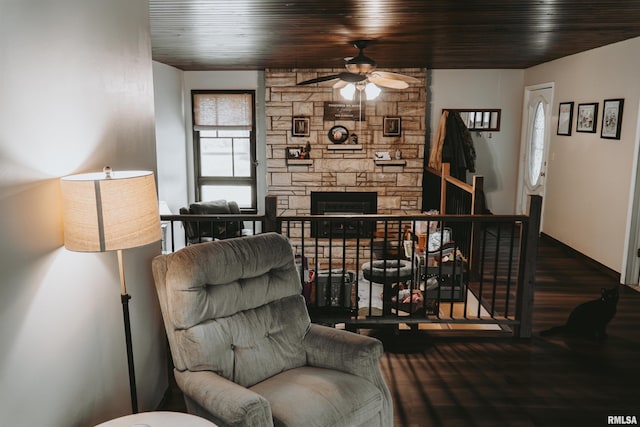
(572, 252)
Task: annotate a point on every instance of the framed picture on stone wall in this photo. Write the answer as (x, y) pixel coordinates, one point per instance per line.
(295, 153)
(391, 126)
(300, 126)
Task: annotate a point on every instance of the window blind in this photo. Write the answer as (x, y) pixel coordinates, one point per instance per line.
(222, 111)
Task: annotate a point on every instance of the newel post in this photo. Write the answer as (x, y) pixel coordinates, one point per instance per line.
(446, 171)
(477, 206)
(270, 213)
(527, 276)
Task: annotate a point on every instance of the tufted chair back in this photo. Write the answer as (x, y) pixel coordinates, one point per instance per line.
(225, 303)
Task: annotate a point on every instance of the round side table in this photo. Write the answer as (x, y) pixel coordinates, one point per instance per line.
(158, 419)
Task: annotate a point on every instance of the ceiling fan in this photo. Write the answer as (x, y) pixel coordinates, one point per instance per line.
(362, 69)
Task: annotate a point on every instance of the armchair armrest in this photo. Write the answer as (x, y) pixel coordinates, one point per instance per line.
(226, 403)
(342, 350)
(352, 353)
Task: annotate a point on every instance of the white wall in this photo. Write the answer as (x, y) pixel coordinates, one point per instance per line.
(171, 134)
(497, 152)
(589, 178)
(76, 94)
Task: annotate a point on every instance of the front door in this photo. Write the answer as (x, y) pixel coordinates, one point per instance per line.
(534, 149)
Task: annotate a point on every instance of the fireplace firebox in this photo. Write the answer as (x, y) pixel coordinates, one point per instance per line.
(343, 203)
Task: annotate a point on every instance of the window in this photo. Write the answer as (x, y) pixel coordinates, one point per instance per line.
(225, 146)
(536, 147)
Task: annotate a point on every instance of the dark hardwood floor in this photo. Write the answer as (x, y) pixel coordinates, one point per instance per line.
(437, 379)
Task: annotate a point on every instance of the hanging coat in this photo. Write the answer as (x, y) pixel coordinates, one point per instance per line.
(457, 148)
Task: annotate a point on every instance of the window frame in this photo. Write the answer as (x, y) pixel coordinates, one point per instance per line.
(199, 179)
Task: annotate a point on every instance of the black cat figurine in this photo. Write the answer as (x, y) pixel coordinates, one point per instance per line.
(589, 319)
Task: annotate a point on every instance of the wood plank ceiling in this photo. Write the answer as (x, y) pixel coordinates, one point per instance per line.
(435, 34)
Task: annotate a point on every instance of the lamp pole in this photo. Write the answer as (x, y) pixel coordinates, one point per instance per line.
(125, 297)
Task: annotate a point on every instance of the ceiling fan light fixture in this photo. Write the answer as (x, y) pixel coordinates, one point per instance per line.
(348, 91)
(372, 91)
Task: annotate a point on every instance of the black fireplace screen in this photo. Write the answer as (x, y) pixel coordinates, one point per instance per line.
(343, 203)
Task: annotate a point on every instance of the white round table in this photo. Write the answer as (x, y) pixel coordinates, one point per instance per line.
(158, 419)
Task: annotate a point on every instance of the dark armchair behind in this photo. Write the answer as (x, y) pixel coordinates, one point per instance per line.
(203, 231)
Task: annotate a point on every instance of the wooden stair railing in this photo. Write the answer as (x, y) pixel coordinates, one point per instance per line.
(476, 193)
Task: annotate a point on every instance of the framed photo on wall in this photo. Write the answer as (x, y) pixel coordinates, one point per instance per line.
(392, 126)
(295, 153)
(611, 118)
(300, 126)
(565, 117)
(587, 117)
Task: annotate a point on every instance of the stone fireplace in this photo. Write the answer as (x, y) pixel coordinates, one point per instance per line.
(342, 203)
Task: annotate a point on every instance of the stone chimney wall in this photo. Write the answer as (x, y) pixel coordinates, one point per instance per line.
(342, 168)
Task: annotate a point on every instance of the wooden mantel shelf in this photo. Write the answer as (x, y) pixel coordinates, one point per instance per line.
(299, 162)
(345, 147)
(391, 162)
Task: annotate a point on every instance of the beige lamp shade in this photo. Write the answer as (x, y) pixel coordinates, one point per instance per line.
(110, 211)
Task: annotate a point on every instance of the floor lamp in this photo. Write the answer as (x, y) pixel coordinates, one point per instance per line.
(112, 211)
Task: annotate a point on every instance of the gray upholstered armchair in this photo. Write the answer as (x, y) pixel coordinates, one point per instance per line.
(244, 350)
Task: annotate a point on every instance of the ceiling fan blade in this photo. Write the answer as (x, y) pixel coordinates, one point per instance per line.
(397, 76)
(320, 79)
(344, 76)
(340, 84)
(385, 82)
